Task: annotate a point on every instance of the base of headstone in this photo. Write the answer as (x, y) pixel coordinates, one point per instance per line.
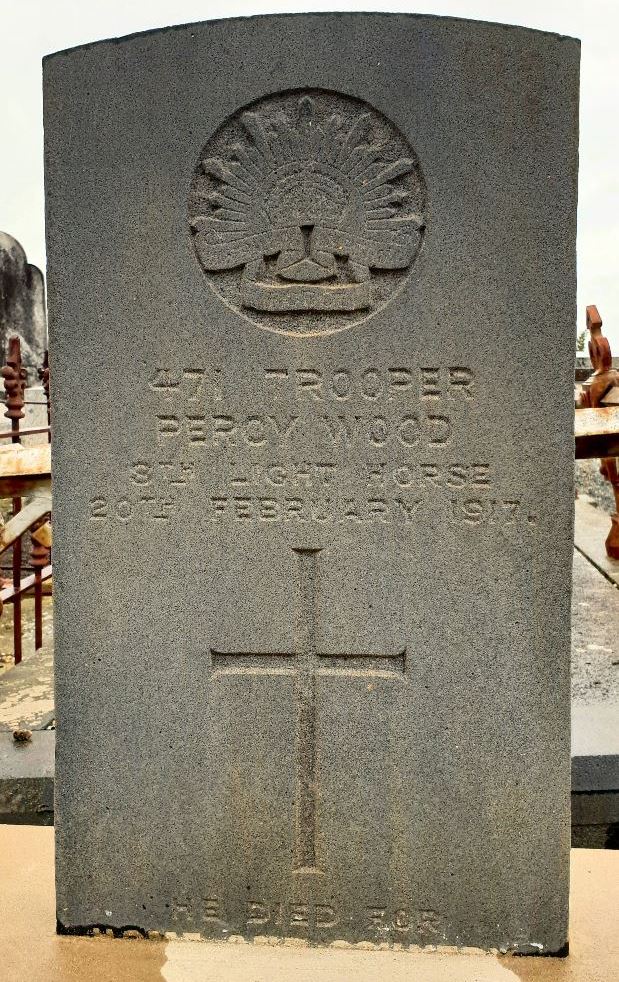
(30, 950)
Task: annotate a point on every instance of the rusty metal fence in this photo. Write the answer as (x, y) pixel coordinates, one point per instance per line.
(25, 479)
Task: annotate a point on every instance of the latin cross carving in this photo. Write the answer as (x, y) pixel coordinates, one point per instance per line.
(306, 663)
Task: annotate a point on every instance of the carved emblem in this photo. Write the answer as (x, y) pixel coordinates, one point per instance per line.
(307, 211)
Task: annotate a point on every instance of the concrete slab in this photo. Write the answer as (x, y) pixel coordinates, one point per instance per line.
(595, 730)
(595, 633)
(595, 748)
(27, 779)
(595, 820)
(30, 950)
(597, 811)
(595, 690)
(591, 527)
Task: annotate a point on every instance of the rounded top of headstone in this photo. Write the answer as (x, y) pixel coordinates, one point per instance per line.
(11, 251)
(317, 17)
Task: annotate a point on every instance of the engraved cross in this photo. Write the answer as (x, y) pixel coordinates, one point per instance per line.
(305, 664)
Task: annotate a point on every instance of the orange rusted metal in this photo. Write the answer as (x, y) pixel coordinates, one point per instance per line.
(25, 471)
(39, 559)
(600, 383)
(15, 380)
(8, 594)
(44, 376)
(596, 432)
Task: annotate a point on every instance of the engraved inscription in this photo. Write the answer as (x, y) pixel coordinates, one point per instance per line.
(306, 663)
(286, 916)
(370, 446)
(397, 923)
(307, 211)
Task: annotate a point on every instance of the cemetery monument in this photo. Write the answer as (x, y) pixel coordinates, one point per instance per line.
(22, 305)
(312, 307)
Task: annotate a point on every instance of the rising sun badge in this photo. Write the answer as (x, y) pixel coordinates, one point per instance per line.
(307, 211)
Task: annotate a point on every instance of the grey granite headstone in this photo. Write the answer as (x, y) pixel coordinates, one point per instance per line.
(22, 305)
(311, 289)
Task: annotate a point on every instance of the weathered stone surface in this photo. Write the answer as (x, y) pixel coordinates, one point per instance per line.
(313, 541)
(22, 305)
(27, 779)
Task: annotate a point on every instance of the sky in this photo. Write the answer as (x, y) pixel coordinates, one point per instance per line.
(30, 29)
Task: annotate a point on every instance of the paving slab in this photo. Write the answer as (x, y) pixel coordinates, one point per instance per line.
(27, 779)
(595, 635)
(30, 951)
(591, 526)
(595, 689)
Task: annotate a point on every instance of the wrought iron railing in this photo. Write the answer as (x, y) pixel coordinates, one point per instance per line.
(25, 479)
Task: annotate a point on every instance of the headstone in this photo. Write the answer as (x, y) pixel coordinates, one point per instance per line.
(312, 537)
(22, 305)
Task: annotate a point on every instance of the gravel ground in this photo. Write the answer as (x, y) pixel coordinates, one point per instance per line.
(589, 481)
